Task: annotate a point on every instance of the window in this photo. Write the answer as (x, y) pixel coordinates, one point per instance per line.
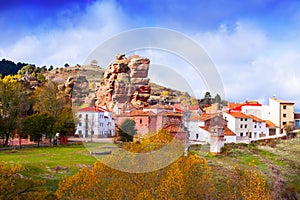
(284, 107)
(79, 124)
(80, 132)
(141, 121)
(241, 119)
(86, 116)
(92, 132)
(241, 134)
(284, 115)
(245, 125)
(254, 126)
(283, 123)
(246, 119)
(80, 115)
(241, 125)
(197, 135)
(297, 123)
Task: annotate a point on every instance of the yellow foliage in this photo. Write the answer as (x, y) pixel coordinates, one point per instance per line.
(15, 186)
(248, 184)
(187, 178)
(11, 78)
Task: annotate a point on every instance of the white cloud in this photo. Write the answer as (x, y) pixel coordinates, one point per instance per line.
(74, 41)
(252, 65)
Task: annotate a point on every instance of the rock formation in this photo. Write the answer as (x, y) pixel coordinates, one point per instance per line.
(125, 82)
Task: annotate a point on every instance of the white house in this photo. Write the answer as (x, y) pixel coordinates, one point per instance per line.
(241, 124)
(259, 129)
(95, 121)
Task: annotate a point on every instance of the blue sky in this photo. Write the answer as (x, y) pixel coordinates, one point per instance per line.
(254, 44)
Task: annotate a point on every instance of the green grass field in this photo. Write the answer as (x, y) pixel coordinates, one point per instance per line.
(51, 163)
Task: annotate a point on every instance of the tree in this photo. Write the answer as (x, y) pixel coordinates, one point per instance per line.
(247, 184)
(51, 68)
(127, 130)
(187, 178)
(94, 62)
(27, 69)
(41, 78)
(218, 99)
(67, 65)
(14, 104)
(64, 124)
(207, 95)
(288, 130)
(16, 186)
(38, 124)
(47, 100)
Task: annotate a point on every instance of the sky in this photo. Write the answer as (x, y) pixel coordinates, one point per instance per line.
(254, 44)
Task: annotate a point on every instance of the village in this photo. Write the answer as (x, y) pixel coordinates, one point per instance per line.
(124, 95)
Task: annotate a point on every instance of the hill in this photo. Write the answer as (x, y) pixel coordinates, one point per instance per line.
(94, 77)
(8, 67)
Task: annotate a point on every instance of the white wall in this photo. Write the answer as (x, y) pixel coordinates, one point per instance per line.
(230, 139)
(95, 121)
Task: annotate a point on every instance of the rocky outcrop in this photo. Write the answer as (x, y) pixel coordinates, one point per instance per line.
(125, 82)
(67, 87)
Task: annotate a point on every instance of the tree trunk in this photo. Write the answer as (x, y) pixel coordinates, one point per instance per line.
(6, 139)
(20, 142)
(38, 141)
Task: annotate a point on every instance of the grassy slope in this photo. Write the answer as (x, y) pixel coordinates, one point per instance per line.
(281, 162)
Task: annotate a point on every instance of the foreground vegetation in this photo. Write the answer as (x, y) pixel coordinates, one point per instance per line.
(259, 171)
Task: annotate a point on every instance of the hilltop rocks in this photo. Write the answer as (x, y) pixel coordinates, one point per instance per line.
(67, 87)
(125, 82)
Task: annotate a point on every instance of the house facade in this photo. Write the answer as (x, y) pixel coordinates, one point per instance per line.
(241, 124)
(152, 118)
(281, 113)
(96, 122)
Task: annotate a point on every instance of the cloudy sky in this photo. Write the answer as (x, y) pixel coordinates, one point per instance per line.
(254, 44)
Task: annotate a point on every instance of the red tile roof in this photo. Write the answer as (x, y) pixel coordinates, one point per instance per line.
(174, 129)
(228, 132)
(270, 124)
(256, 119)
(239, 115)
(87, 109)
(141, 113)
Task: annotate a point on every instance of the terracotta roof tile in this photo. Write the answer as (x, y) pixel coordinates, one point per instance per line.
(174, 129)
(256, 119)
(270, 124)
(141, 113)
(239, 115)
(228, 132)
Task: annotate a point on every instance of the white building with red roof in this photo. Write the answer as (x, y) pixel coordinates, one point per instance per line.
(96, 122)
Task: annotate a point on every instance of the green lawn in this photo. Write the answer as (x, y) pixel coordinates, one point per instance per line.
(51, 163)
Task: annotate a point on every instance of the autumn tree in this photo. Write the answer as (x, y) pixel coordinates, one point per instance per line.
(248, 184)
(187, 178)
(14, 104)
(127, 130)
(14, 185)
